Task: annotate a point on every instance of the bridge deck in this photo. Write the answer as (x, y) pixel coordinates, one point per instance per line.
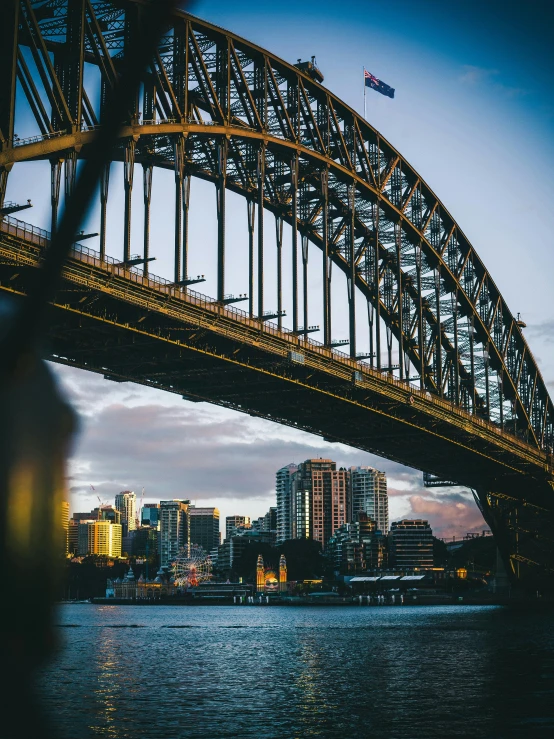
(111, 319)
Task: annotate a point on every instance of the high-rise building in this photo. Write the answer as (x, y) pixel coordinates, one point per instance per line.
(204, 527)
(232, 523)
(368, 494)
(107, 513)
(126, 504)
(283, 486)
(411, 544)
(270, 520)
(79, 534)
(65, 526)
(145, 542)
(319, 500)
(73, 536)
(150, 515)
(103, 538)
(174, 529)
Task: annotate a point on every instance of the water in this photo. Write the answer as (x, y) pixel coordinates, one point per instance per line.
(211, 672)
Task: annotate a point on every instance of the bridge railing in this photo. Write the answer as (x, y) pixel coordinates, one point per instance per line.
(40, 238)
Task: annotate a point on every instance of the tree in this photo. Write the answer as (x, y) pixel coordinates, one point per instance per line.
(304, 557)
(245, 566)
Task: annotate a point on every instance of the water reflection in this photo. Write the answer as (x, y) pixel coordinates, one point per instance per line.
(326, 672)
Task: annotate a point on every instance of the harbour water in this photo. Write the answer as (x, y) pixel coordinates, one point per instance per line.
(171, 672)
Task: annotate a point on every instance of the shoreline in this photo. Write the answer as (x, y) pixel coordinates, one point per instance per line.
(317, 602)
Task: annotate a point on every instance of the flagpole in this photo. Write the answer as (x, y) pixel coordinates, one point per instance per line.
(365, 117)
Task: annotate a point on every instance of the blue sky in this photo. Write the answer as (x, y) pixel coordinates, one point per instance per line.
(473, 113)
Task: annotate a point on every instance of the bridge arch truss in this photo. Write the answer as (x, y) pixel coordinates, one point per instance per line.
(217, 107)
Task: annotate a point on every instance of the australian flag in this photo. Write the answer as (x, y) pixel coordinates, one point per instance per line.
(371, 81)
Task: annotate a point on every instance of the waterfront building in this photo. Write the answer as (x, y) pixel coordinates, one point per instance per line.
(126, 504)
(357, 547)
(319, 500)
(283, 487)
(204, 527)
(411, 544)
(368, 494)
(174, 529)
(234, 522)
(282, 574)
(150, 515)
(266, 578)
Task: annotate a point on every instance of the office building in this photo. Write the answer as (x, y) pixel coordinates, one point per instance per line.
(107, 513)
(357, 547)
(283, 486)
(411, 544)
(232, 523)
(72, 536)
(145, 542)
(368, 494)
(126, 504)
(319, 500)
(150, 515)
(174, 529)
(204, 527)
(65, 526)
(103, 538)
(270, 520)
(82, 536)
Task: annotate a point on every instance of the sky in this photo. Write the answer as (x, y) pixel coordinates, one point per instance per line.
(473, 113)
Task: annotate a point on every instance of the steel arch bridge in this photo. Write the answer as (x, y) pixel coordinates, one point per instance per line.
(444, 381)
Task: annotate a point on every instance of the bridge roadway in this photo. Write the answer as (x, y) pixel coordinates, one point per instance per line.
(112, 320)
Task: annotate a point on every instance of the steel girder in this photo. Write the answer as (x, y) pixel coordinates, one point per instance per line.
(252, 123)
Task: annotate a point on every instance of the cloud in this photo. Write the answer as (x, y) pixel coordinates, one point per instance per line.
(133, 437)
(473, 76)
(450, 514)
(544, 330)
(198, 451)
